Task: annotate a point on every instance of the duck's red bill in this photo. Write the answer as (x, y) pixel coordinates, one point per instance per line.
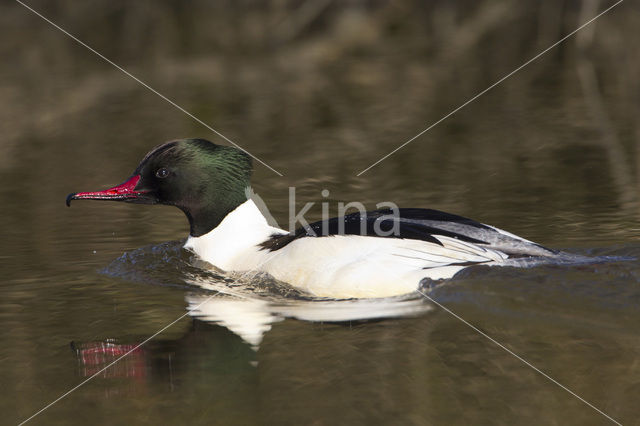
(124, 192)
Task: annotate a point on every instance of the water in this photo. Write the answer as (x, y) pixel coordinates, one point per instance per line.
(550, 154)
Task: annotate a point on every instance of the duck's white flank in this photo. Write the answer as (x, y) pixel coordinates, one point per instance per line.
(338, 266)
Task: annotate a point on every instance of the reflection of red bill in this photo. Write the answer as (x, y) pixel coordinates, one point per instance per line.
(94, 356)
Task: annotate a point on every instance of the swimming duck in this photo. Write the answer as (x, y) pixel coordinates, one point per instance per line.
(378, 253)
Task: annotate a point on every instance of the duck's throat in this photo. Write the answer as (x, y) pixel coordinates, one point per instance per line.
(204, 219)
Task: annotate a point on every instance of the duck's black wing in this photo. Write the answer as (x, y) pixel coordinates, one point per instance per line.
(416, 224)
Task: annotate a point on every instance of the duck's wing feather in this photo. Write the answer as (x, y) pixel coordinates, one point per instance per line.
(427, 225)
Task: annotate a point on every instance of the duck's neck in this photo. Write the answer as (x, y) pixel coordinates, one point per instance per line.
(241, 230)
(203, 218)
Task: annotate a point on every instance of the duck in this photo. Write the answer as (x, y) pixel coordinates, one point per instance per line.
(365, 254)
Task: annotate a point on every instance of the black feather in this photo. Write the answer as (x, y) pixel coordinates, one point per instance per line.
(370, 223)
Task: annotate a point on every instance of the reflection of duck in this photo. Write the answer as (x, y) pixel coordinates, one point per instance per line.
(202, 349)
(250, 318)
(373, 254)
(247, 317)
(301, 371)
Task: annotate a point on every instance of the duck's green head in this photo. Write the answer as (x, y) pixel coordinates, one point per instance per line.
(206, 181)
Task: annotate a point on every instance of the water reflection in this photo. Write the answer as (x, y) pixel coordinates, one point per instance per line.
(251, 318)
(248, 318)
(93, 357)
(202, 349)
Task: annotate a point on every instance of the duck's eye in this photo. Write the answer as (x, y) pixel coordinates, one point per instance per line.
(162, 173)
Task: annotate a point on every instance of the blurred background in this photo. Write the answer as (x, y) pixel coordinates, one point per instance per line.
(319, 90)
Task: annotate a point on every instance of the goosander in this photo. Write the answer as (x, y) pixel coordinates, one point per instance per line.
(354, 256)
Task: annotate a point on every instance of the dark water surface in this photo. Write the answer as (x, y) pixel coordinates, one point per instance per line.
(320, 91)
